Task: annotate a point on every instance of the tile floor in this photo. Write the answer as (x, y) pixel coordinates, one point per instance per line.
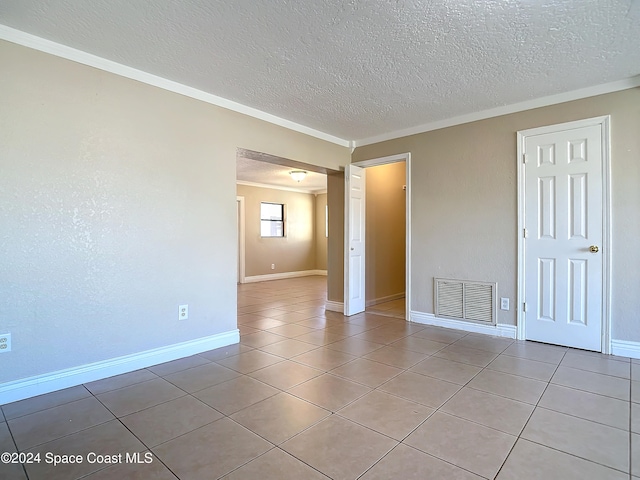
(310, 394)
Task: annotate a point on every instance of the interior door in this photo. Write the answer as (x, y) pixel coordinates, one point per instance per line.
(563, 237)
(354, 287)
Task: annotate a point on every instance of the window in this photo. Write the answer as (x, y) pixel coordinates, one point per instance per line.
(271, 219)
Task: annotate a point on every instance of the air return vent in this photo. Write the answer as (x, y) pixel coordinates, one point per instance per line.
(466, 300)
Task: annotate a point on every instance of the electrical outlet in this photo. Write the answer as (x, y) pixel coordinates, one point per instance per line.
(183, 312)
(273, 266)
(5, 342)
(504, 303)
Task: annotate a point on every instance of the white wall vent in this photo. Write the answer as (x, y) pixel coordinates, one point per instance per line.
(466, 300)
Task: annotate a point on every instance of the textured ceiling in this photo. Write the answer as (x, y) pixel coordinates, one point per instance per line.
(354, 69)
(255, 171)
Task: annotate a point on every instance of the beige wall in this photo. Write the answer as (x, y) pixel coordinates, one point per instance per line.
(385, 231)
(321, 239)
(335, 249)
(117, 204)
(292, 253)
(464, 205)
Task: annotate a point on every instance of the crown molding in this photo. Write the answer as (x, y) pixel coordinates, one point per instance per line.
(602, 89)
(47, 46)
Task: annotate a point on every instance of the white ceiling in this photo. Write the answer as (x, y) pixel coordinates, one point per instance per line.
(257, 172)
(354, 69)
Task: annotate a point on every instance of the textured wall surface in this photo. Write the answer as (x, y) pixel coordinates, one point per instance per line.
(385, 231)
(117, 204)
(292, 253)
(354, 69)
(464, 201)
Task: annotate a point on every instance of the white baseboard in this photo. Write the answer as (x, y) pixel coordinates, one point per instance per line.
(499, 330)
(625, 348)
(388, 298)
(283, 275)
(334, 306)
(70, 377)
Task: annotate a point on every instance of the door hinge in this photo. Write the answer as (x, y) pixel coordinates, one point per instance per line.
(524, 307)
(524, 158)
(525, 233)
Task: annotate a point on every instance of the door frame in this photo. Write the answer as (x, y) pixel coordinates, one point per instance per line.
(374, 162)
(604, 123)
(241, 238)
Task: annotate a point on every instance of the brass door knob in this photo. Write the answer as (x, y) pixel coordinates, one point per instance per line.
(594, 249)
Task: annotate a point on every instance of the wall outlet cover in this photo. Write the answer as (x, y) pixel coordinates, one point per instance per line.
(183, 312)
(504, 303)
(5, 342)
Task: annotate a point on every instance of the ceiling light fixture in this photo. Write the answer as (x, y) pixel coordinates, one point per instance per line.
(298, 175)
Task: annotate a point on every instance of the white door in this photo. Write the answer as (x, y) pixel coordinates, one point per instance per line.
(354, 293)
(563, 259)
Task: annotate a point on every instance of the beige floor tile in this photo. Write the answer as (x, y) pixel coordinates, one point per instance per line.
(119, 381)
(366, 372)
(514, 387)
(9, 470)
(288, 348)
(110, 438)
(419, 345)
(275, 465)
(320, 338)
(635, 417)
(154, 470)
(635, 371)
(260, 339)
(339, 448)
(443, 369)
(592, 382)
(285, 375)
(635, 454)
(211, 451)
(330, 392)
(246, 330)
(506, 415)
(470, 356)
(485, 342)
(592, 441)
(317, 322)
(407, 463)
(530, 461)
(178, 365)
(476, 448)
(225, 352)
(6, 441)
(292, 317)
(168, 420)
(234, 395)
(324, 358)
(280, 417)
(387, 414)
(537, 351)
(137, 397)
(442, 335)
(396, 357)
(381, 335)
(523, 367)
(421, 389)
(199, 378)
(53, 423)
(42, 402)
(263, 323)
(635, 391)
(250, 361)
(347, 329)
(600, 364)
(597, 408)
(291, 330)
(354, 346)
(369, 320)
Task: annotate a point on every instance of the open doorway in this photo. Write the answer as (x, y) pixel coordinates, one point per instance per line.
(378, 230)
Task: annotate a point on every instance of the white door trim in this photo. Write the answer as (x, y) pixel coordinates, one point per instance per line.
(401, 157)
(604, 122)
(241, 239)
